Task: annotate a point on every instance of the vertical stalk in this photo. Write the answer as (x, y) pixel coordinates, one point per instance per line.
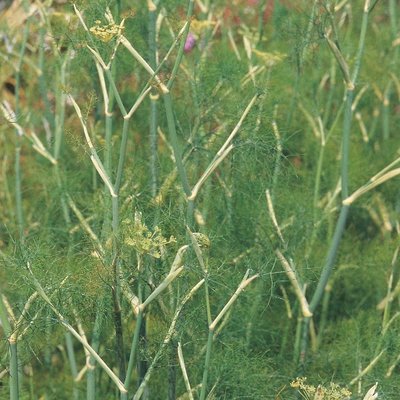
(60, 109)
(170, 114)
(211, 328)
(153, 103)
(136, 335)
(18, 177)
(91, 363)
(14, 381)
(324, 312)
(72, 362)
(42, 77)
(179, 56)
(172, 372)
(341, 222)
(300, 60)
(175, 144)
(206, 365)
(12, 351)
(118, 323)
(18, 191)
(133, 352)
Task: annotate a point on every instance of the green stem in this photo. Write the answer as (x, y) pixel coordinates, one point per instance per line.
(42, 77)
(72, 362)
(71, 354)
(329, 101)
(324, 312)
(175, 144)
(134, 347)
(91, 373)
(330, 259)
(179, 56)
(12, 351)
(120, 352)
(361, 46)
(386, 111)
(297, 338)
(14, 389)
(341, 222)
(122, 155)
(318, 179)
(110, 78)
(18, 178)
(18, 190)
(153, 104)
(206, 365)
(60, 109)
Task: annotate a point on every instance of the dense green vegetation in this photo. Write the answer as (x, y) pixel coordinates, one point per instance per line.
(199, 199)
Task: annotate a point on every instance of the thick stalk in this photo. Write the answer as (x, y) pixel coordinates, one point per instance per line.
(153, 104)
(119, 337)
(341, 222)
(14, 381)
(175, 144)
(18, 178)
(170, 113)
(134, 347)
(18, 190)
(179, 56)
(69, 344)
(300, 61)
(42, 77)
(91, 373)
(136, 335)
(122, 155)
(206, 365)
(12, 351)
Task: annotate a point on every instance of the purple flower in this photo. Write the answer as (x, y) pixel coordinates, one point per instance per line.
(190, 42)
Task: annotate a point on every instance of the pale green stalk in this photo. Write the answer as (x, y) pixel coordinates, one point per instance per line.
(72, 362)
(329, 101)
(212, 327)
(179, 56)
(42, 77)
(387, 309)
(154, 96)
(167, 340)
(262, 6)
(18, 174)
(134, 348)
(341, 222)
(12, 351)
(74, 333)
(184, 372)
(278, 155)
(300, 60)
(91, 362)
(297, 338)
(171, 119)
(206, 365)
(386, 109)
(136, 335)
(324, 312)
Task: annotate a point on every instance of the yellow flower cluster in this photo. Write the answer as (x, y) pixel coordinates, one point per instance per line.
(106, 32)
(310, 392)
(145, 241)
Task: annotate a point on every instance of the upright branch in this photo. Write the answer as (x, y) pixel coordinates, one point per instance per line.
(350, 85)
